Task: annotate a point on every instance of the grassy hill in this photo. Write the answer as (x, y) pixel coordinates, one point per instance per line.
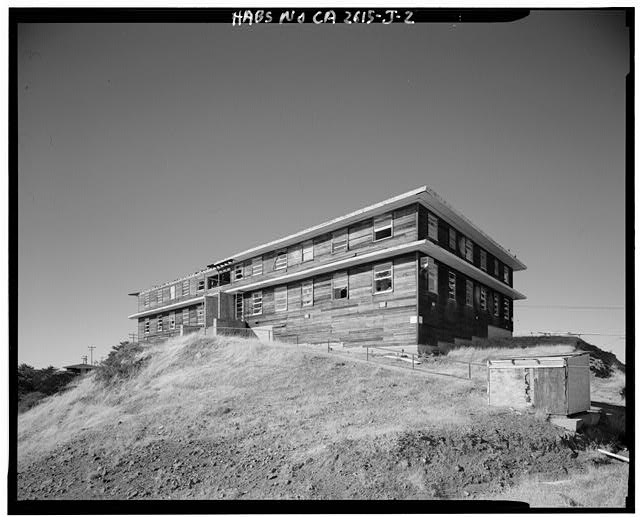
(218, 418)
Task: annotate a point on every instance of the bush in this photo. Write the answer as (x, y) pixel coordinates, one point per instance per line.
(123, 361)
(36, 384)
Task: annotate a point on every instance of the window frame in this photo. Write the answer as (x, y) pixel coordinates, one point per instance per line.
(337, 245)
(256, 266)
(185, 321)
(147, 326)
(200, 315)
(278, 293)
(278, 261)
(160, 324)
(382, 268)
(159, 296)
(453, 238)
(307, 248)
(496, 305)
(451, 281)
(468, 249)
(185, 292)
(432, 276)
(483, 298)
(505, 274)
(201, 285)
(468, 298)
(254, 296)
(339, 275)
(506, 309)
(172, 321)
(483, 259)
(302, 295)
(239, 315)
(238, 271)
(380, 224)
(432, 223)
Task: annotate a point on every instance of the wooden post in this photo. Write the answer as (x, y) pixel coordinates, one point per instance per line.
(328, 350)
(469, 370)
(413, 365)
(367, 353)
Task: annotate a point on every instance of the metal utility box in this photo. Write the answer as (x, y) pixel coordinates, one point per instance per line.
(556, 384)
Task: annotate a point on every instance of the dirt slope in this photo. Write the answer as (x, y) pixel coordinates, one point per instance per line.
(237, 419)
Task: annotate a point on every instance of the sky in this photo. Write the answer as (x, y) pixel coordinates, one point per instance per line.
(147, 151)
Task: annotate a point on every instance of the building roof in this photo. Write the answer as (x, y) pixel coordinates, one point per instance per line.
(423, 195)
(79, 366)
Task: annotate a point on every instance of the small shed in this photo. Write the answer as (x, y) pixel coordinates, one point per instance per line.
(556, 384)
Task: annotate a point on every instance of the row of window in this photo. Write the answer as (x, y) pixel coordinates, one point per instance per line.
(431, 267)
(382, 283)
(170, 320)
(464, 246)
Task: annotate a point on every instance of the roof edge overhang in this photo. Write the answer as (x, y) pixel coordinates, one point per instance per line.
(423, 246)
(178, 305)
(423, 195)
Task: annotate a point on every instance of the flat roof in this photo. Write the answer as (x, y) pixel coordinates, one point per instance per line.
(423, 195)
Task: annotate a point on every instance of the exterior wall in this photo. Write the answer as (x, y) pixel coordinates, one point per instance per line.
(458, 250)
(445, 320)
(356, 320)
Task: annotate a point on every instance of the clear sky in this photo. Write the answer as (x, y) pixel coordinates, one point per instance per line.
(148, 151)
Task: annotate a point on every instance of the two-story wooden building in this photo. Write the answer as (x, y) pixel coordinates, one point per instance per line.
(408, 270)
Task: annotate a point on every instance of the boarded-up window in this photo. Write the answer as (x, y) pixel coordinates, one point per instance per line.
(256, 266)
(383, 227)
(281, 260)
(340, 241)
(159, 295)
(295, 255)
(185, 316)
(432, 276)
(185, 288)
(469, 293)
(432, 225)
(340, 285)
(239, 307)
(496, 267)
(160, 324)
(280, 298)
(307, 293)
(383, 278)
(307, 251)
(483, 298)
(452, 285)
(146, 326)
(212, 282)
(201, 284)
(468, 249)
(200, 315)
(452, 238)
(505, 308)
(256, 303)
(172, 292)
(146, 300)
(496, 304)
(172, 320)
(505, 274)
(238, 272)
(483, 260)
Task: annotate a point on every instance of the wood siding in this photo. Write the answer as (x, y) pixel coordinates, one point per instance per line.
(356, 320)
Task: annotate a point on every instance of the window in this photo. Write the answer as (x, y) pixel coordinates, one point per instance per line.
(496, 304)
(432, 277)
(212, 282)
(185, 288)
(307, 293)
(340, 241)
(281, 260)
(256, 266)
(383, 227)
(468, 249)
(280, 298)
(383, 278)
(160, 323)
(452, 286)
(200, 315)
(432, 226)
(452, 238)
(483, 298)
(340, 286)
(238, 272)
(159, 295)
(172, 292)
(505, 274)
(483, 260)
(146, 300)
(307, 251)
(185, 316)
(201, 284)
(469, 293)
(256, 303)
(146, 326)
(505, 308)
(496, 267)
(172, 321)
(239, 307)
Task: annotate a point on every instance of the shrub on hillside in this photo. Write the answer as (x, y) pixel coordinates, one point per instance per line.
(35, 384)
(123, 361)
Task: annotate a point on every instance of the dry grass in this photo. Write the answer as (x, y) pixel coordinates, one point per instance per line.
(481, 355)
(599, 487)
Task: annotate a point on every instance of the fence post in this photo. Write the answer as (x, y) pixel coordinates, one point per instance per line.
(367, 353)
(297, 340)
(412, 362)
(469, 370)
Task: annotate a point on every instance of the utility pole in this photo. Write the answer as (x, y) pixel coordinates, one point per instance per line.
(91, 348)
(84, 359)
